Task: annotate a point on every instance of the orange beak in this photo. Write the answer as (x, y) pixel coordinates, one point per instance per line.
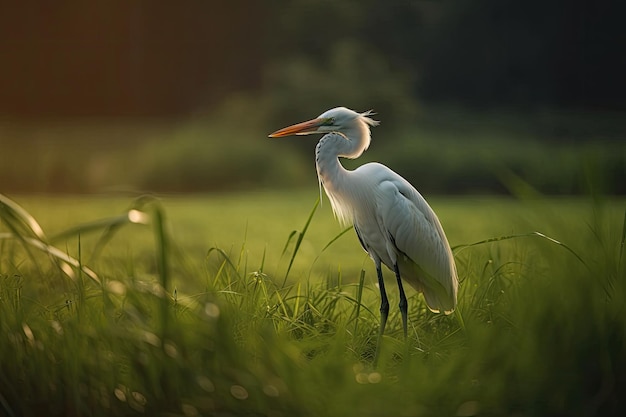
(303, 128)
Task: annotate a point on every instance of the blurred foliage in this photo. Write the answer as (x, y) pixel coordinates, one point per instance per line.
(441, 152)
(196, 159)
(486, 54)
(353, 75)
(474, 96)
(134, 156)
(162, 59)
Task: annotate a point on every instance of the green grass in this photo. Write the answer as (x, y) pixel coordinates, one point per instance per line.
(184, 310)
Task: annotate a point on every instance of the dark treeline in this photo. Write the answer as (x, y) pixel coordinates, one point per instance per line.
(149, 58)
(475, 96)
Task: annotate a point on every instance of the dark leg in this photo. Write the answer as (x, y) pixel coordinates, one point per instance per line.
(403, 302)
(384, 309)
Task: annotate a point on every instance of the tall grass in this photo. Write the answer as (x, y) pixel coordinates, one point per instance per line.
(544, 328)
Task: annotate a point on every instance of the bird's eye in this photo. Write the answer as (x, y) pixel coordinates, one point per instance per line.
(330, 121)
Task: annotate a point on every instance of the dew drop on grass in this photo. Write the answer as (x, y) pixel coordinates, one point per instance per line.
(119, 394)
(212, 310)
(361, 378)
(29, 334)
(270, 390)
(205, 383)
(374, 378)
(239, 392)
(57, 327)
(136, 216)
(138, 401)
(151, 339)
(189, 410)
(139, 398)
(170, 350)
(358, 367)
(116, 287)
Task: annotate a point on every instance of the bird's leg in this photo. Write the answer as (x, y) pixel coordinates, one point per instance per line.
(384, 310)
(384, 302)
(403, 302)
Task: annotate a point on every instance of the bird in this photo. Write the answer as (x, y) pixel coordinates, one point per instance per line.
(393, 222)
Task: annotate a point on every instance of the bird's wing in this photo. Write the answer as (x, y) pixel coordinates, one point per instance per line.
(415, 234)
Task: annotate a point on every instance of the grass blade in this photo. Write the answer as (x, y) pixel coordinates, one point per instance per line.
(621, 246)
(109, 223)
(27, 230)
(226, 259)
(299, 240)
(333, 240)
(21, 224)
(458, 248)
(9, 208)
(65, 261)
(291, 235)
(359, 297)
(162, 249)
(134, 215)
(346, 230)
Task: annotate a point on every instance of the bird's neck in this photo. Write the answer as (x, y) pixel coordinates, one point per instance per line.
(332, 175)
(348, 144)
(329, 170)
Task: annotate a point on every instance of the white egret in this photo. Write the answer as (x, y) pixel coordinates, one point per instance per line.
(393, 222)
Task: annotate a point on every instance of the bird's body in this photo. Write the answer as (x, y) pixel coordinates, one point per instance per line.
(394, 223)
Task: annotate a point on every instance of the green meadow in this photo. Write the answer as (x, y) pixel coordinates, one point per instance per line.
(160, 255)
(258, 303)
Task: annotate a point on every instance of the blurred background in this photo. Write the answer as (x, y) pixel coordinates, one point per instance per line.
(474, 96)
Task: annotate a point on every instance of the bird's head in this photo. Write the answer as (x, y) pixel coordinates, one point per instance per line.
(339, 119)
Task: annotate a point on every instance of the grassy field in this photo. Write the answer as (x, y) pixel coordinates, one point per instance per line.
(189, 306)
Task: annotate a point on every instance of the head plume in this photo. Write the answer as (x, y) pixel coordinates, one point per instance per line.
(369, 120)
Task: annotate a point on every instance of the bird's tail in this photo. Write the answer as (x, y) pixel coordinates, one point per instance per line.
(439, 299)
